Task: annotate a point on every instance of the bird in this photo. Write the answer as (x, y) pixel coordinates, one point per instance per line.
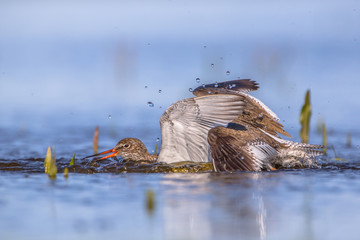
(225, 125)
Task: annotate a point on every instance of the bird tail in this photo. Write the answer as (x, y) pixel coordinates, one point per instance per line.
(296, 154)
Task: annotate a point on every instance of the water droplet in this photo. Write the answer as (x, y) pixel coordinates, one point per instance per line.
(157, 139)
(150, 104)
(212, 65)
(109, 117)
(203, 85)
(145, 86)
(198, 80)
(160, 90)
(216, 84)
(228, 73)
(190, 89)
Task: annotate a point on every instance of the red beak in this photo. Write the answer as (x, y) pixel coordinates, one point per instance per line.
(113, 151)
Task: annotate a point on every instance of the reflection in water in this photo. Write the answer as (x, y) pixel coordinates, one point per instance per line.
(185, 209)
(297, 204)
(307, 209)
(199, 206)
(262, 218)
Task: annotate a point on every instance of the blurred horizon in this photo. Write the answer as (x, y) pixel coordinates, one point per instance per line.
(81, 62)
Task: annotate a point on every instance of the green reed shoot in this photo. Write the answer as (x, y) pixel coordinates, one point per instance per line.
(66, 169)
(305, 118)
(324, 138)
(156, 149)
(50, 164)
(72, 162)
(47, 160)
(96, 140)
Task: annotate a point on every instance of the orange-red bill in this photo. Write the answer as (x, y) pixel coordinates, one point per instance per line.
(113, 151)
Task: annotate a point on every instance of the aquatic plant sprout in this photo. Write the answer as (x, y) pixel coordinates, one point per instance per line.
(72, 162)
(96, 140)
(324, 138)
(305, 118)
(50, 163)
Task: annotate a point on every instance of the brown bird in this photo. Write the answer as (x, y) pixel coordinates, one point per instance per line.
(225, 125)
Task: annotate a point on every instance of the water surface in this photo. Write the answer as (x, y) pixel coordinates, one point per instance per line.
(107, 202)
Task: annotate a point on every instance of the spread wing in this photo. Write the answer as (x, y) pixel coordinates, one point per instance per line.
(185, 126)
(186, 123)
(229, 87)
(256, 114)
(259, 116)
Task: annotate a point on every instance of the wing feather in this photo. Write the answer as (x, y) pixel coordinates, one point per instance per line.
(186, 123)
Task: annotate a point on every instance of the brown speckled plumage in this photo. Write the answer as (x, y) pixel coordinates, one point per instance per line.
(134, 149)
(238, 130)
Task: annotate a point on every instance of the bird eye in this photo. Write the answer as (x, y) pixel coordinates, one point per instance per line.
(126, 145)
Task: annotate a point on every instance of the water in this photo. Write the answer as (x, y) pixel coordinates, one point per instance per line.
(299, 204)
(63, 72)
(105, 200)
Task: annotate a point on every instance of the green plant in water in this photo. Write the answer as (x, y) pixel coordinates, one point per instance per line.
(50, 164)
(96, 140)
(305, 118)
(47, 160)
(150, 201)
(66, 169)
(156, 149)
(324, 138)
(72, 162)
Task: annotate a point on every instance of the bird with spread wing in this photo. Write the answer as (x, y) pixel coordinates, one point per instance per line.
(225, 125)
